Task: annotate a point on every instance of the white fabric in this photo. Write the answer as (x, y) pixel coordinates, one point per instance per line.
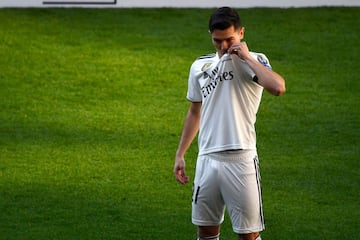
(230, 100)
(230, 180)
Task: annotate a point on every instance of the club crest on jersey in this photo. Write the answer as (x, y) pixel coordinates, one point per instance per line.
(206, 66)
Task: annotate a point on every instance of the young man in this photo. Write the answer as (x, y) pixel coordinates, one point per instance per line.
(225, 90)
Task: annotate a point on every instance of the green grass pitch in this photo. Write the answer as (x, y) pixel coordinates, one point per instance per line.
(92, 103)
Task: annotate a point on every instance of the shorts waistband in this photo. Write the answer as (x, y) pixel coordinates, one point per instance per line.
(233, 155)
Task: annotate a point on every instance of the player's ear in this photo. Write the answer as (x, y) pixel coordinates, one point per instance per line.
(241, 32)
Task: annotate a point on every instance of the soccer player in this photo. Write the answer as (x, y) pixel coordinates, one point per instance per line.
(225, 90)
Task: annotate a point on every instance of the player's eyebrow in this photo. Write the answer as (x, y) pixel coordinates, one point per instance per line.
(220, 40)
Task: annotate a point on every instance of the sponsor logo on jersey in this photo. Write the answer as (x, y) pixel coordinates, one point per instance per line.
(215, 77)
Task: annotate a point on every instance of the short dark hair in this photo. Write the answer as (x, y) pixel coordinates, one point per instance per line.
(224, 18)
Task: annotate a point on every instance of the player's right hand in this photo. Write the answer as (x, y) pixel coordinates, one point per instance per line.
(179, 171)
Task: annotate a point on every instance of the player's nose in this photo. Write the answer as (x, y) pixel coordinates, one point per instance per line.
(224, 46)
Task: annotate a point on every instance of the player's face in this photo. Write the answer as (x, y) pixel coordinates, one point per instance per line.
(223, 39)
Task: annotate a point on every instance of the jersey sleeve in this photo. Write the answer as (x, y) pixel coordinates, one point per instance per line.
(194, 89)
(261, 58)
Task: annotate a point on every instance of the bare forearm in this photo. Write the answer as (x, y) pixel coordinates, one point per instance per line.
(270, 80)
(191, 127)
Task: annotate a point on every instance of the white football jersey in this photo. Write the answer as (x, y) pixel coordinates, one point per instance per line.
(230, 99)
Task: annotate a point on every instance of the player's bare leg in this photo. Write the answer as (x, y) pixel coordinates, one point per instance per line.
(249, 236)
(208, 232)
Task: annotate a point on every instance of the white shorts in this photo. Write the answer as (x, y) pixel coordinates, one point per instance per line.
(230, 180)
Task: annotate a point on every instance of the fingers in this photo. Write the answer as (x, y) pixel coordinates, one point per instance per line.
(181, 176)
(241, 50)
(238, 48)
(179, 172)
(183, 179)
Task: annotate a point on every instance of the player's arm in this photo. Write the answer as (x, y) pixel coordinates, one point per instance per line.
(268, 79)
(190, 129)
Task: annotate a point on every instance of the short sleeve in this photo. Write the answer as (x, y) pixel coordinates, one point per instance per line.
(194, 89)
